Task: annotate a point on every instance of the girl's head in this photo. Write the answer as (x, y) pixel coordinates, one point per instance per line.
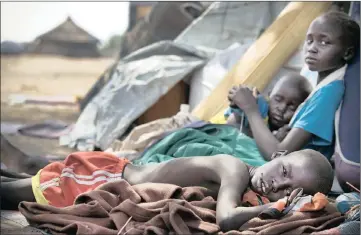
(331, 42)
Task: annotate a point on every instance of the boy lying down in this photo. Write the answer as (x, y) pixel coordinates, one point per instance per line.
(59, 183)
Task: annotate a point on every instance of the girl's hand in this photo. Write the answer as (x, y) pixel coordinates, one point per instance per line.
(244, 98)
(281, 133)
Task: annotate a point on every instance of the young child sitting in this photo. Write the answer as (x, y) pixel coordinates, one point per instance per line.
(287, 94)
(331, 42)
(58, 184)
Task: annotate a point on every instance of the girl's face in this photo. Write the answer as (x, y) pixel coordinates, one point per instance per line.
(324, 49)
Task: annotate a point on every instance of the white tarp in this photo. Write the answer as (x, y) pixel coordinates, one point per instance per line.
(205, 79)
(138, 82)
(223, 24)
(145, 75)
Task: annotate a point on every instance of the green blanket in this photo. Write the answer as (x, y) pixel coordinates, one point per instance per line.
(208, 140)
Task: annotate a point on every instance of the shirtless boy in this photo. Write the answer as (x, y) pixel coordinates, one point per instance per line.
(227, 176)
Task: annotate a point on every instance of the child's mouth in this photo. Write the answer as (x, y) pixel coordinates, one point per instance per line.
(264, 186)
(310, 60)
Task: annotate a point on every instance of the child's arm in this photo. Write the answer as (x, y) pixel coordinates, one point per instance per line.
(295, 140)
(241, 215)
(282, 132)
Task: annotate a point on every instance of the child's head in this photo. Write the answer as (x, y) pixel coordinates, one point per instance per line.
(288, 93)
(307, 169)
(331, 41)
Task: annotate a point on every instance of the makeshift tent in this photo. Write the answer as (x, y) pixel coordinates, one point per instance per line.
(67, 39)
(164, 22)
(224, 24)
(110, 112)
(137, 83)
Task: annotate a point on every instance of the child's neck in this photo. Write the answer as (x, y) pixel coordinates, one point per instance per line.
(322, 75)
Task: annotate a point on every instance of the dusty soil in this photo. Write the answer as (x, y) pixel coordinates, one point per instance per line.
(45, 76)
(32, 115)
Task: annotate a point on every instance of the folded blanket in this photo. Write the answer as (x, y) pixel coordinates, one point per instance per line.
(119, 208)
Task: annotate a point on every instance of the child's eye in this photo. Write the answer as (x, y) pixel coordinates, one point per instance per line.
(284, 171)
(324, 43)
(308, 41)
(277, 98)
(292, 108)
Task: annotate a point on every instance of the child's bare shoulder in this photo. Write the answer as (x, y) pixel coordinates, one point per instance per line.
(222, 164)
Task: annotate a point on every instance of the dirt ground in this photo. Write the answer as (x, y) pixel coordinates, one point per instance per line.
(45, 76)
(32, 115)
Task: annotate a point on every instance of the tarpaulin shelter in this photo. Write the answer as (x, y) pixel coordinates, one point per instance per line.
(262, 28)
(150, 22)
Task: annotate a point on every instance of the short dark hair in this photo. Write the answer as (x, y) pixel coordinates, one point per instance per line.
(299, 81)
(322, 167)
(350, 28)
(304, 85)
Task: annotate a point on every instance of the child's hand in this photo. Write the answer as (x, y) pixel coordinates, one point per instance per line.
(231, 103)
(243, 97)
(281, 133)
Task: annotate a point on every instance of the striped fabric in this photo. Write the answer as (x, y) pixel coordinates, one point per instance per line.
(59, 183)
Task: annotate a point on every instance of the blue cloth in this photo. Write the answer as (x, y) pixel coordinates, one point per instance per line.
(317, 114)
(349, 126)
(346, 201)
(262, 107)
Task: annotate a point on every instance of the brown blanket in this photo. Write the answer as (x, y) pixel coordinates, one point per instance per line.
(119, 208)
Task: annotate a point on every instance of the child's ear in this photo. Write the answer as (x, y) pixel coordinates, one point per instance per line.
(278, 154)
(349, 54)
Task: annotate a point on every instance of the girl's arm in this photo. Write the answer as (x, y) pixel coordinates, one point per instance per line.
(267, 143)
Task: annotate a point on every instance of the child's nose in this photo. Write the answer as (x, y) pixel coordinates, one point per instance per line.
(312, 48)
(282, 107)
(280, 184)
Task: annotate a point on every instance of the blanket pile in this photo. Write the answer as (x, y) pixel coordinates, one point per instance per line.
(119, 208)
(203, 139)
